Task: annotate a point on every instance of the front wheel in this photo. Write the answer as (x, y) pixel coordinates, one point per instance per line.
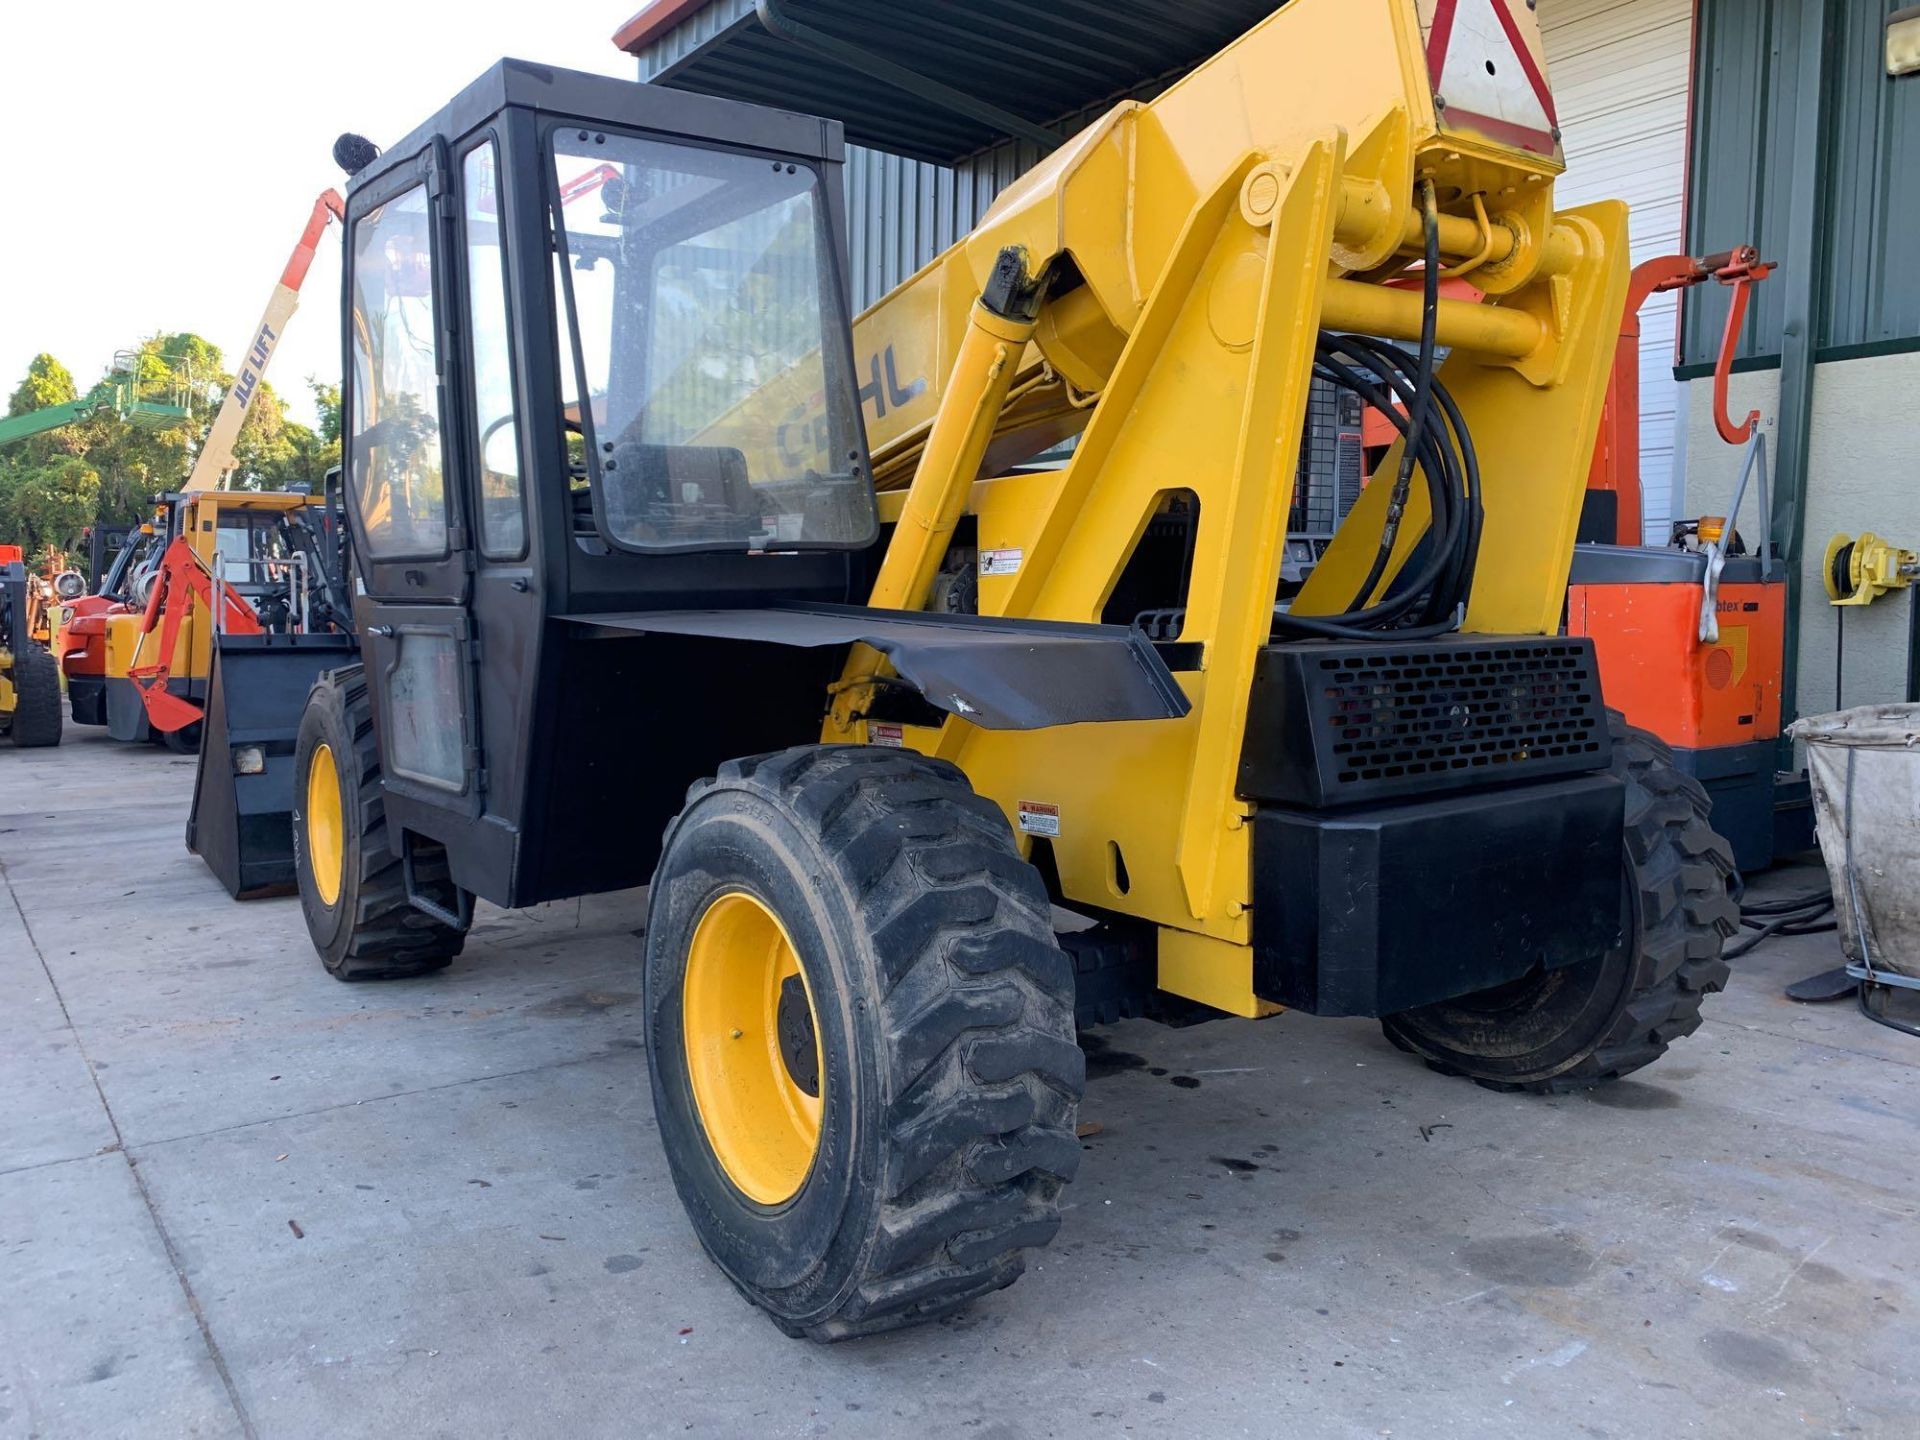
(860, 1037)
(1597, 1020)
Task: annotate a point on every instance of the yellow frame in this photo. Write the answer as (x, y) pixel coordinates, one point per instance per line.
(1210, 236)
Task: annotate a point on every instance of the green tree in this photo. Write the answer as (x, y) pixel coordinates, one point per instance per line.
(47, 504)
(104, 468)
(47, 489)
(137, 462)
(326, 399)
(47, 382)
(326, 455)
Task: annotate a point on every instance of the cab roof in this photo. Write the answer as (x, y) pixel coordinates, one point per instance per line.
(606, 100)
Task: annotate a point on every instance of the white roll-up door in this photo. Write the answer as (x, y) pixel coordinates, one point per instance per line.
(1619, 75)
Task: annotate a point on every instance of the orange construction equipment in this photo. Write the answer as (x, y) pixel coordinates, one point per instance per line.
(114, 675)
(1690, 637)
(1693, 694)
(1616, 453)
(80, 630)
(183, 581)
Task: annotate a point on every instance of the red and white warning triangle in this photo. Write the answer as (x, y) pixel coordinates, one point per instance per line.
(1488, 70)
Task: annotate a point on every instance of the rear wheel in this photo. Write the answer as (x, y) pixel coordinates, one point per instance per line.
(346, 858)
(860, 1037)
(36, 697)
(1572, 1028)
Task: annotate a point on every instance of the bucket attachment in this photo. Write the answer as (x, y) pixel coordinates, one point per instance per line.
(241, 822)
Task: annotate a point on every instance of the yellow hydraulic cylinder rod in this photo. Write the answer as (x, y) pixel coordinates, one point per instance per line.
(1365, 207)
(989, 355)
(984, 369)
(1364, 309)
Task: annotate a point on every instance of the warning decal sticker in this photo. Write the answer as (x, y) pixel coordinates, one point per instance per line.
(1039, 819)
(1001, 562)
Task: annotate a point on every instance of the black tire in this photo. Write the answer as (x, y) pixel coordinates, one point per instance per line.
(36, 697)
(1573, 1028)
(371, 931)
(184, 741)
(945, 1027)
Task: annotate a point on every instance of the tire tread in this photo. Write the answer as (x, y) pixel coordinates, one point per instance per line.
(391, 938)
(1681, 870)
(981, 1075)
(37, 720)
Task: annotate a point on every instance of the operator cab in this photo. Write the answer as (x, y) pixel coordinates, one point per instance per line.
(597, 359)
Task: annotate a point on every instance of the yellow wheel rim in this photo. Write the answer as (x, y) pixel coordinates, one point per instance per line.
(326, 831)
(758, 1100)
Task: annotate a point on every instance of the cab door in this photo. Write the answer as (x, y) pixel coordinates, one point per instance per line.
(403, 448)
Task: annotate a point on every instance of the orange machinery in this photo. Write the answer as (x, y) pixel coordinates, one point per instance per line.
(80, 634)
(87, 632)
(1715, 701)
(40, 589)
(1690, 636)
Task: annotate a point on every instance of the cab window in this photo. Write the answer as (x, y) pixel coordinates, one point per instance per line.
(706, 329)
(503, 525)
(395, 463)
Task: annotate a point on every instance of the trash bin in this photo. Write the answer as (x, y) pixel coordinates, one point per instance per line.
(1865, 767)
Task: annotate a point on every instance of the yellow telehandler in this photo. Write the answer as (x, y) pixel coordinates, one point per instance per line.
(640, 599)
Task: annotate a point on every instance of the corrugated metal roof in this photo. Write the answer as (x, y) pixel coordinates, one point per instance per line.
(1041, 63)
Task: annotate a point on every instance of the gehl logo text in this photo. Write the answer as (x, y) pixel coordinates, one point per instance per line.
(890, 394)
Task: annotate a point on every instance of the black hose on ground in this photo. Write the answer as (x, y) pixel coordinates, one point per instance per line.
(1792, 915)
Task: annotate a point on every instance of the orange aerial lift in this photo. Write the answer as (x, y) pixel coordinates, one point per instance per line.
(139, 658)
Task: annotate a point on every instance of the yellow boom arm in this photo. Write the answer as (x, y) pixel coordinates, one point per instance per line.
(1187, 254)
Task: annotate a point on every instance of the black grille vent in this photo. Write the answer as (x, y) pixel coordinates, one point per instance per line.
(1335, 724)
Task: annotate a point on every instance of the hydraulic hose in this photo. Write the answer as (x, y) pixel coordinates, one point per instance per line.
(1430, 600)
(1421, 403)
(1800, 915)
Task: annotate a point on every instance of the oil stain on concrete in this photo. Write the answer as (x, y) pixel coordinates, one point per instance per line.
(1553, 1260)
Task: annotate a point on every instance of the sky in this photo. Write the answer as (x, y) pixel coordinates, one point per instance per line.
(161, 159)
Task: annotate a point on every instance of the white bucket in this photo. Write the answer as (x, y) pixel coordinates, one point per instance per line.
(1865, 767)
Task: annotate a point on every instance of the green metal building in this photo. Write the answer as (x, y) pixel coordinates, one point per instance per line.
(1802, 140)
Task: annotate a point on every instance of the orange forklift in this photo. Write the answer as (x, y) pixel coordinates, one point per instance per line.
(1690, 635)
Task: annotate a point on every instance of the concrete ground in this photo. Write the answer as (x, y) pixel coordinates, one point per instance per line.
(237, 1197)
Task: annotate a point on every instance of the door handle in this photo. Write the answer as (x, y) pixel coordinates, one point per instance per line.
(385, 632)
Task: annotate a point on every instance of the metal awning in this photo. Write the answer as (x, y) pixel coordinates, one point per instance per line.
(931, 81)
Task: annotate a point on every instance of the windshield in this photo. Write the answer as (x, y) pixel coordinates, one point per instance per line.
(249, 547)
(699, 291)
